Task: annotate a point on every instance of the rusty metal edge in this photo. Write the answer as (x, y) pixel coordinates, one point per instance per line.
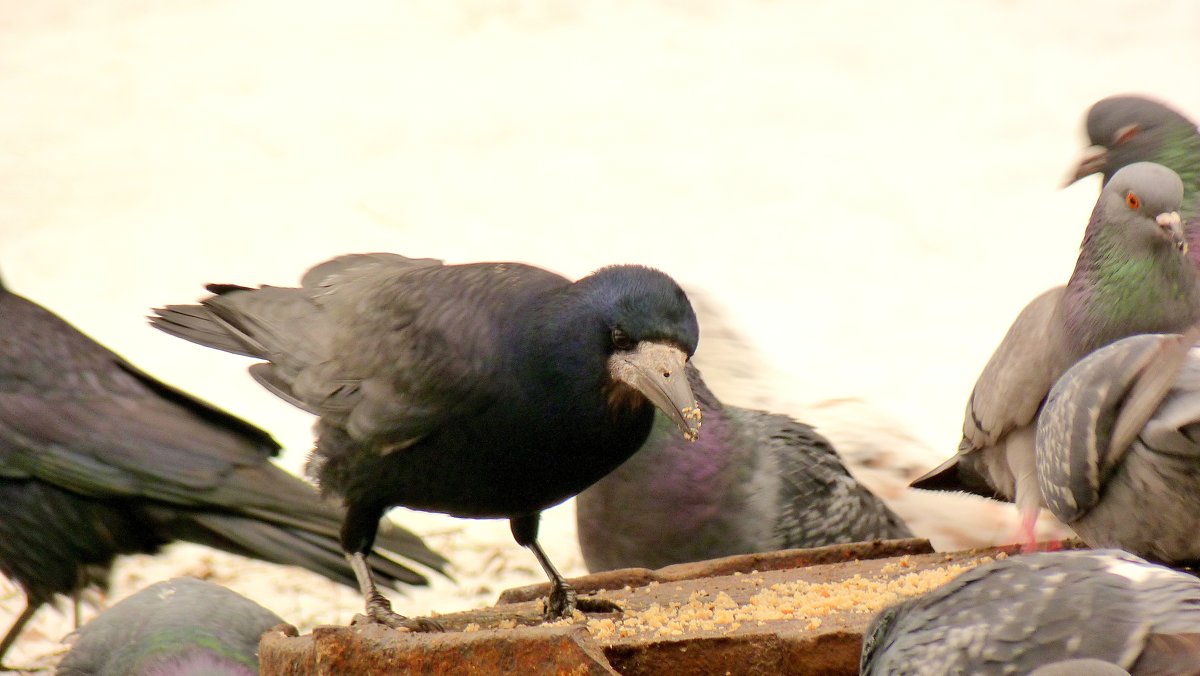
(741, 563)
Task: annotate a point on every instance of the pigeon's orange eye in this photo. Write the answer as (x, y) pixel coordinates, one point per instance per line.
(1133, 201)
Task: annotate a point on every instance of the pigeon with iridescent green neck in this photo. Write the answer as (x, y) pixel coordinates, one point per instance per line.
(179, 626)
(1132, 277)
(1128, 129)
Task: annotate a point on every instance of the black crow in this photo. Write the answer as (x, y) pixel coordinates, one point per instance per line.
(98, 459)
(488, 390)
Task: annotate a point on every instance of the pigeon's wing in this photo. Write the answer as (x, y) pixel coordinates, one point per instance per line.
(1006, 398)
(1011, 388)
(1080, 667)
(1025, 612)
(1101, 405)
(820, 502)
(1174, 427)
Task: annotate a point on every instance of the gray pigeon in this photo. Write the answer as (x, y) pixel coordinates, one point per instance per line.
(1015, 615)
(1132, 276)
(1118, 446)
(753, 482)
(1127, 129)
(1083, 667)
(179, 626)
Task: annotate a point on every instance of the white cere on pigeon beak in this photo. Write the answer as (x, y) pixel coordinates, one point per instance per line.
(1172, 224)
(657, 371)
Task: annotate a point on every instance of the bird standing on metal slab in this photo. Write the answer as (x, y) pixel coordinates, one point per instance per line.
(487, 390)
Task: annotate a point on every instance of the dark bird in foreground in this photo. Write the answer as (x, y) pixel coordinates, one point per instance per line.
(755, 482)
(1118, 446)
(1127, 129)
(178, 626)
(1132, 276)
(1018, 614)
(487, 390)
(99, 459)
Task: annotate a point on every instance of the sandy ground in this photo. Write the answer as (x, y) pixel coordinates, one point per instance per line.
(870, 191)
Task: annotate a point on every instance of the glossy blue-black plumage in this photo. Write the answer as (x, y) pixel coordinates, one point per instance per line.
(479, 390)
(99, 459)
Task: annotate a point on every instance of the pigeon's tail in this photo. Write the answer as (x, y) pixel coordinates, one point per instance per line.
(318, 552)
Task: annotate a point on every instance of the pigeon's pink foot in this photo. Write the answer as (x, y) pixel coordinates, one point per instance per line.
(1026, 535)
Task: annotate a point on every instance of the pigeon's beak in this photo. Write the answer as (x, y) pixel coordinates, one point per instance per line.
(657, 371)
(1172, 227)
(1094, 159)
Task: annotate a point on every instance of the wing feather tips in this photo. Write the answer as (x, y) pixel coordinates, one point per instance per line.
(196, 324)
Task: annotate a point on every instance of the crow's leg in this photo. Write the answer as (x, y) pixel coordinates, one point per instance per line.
(563, 600)
(358, 536)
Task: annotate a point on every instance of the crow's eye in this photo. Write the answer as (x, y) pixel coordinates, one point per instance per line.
(620, 340)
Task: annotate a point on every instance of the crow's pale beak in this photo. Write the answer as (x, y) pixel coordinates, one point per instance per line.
(657, 371)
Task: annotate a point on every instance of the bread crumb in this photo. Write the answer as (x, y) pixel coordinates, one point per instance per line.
(798, 600)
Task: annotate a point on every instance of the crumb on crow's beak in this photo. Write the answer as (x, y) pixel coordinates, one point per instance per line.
(657, 371)
(1094, 159)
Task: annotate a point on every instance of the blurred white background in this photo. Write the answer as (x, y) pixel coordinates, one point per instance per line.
(869, 190)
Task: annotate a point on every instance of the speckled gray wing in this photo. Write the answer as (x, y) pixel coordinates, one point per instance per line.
(820, 503)
(1174, 427)
(1014, 615)
(1104, 402)
(1081, 667)
(1075, 431)
(1033, 354)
